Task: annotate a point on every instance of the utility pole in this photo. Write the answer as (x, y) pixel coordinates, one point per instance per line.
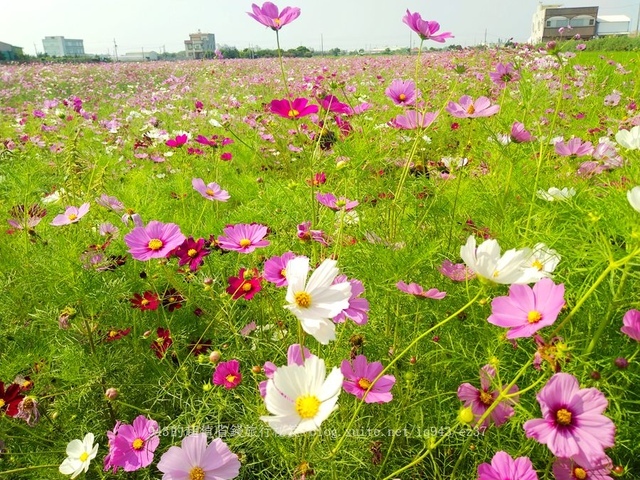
(115, 49)
(321, 45)
(638, 21)
(485, 37)
(143, 54)
(36, 49)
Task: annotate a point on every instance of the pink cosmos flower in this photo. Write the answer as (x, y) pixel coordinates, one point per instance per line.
(210, 191)
(331, 104)
(526, 310)
(194, 459)
(110, 202)
(425, 29)
(573, 422)
(132, 446)
(504, 74)
(192, 252)
(576, 468)
(227, 374)
(358, 307)
(179, 141)
(275, 269)
(305, 233)
(468, 108)
(361, 375)
(458, 272)
(296, 109)
(111, 435)
(412, 120)
(294, 357)
(417, 291)
(156, 240)
(243, 238)
(70, 215)
(402, 92)
(330, 200)
(573, 148)
(269, 15)
(519, 134)
(245, 285)
(631, 326)
(503, 467)
(213, 141)
(481, 399)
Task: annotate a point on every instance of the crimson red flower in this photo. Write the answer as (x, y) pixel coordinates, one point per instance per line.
(172, 300)
(116, 334)
(199, 347)
(192, 252)
(245, 285)
(10, 398)
(147, 301)
(162, 343)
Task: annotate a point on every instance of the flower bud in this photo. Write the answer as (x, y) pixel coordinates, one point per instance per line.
(111, 393)
(465, 415)
(215, 356)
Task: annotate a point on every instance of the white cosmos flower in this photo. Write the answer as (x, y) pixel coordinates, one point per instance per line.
(633, 196)
(300, 398)
(509, 268)
(543, 258)
(79, 455)
(556, 194)
(629, 138)
(316, 301)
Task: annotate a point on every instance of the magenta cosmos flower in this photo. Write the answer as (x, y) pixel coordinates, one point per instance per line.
(331, 104)
(330, 200)
(156, 240)
(579, 469)
(631, 326)
(573, 148)
(481, 399)
(227, 374)
(573, 423)
(192, 252)
(210, 191)
(275, 269)
(468, 108)
(70, 215)
(132, 446)
(519, 134)
(358, 307)
(417, 291)
(503, 467)
(402, 92)
(243, 238)
(292, 109)
(425, 29)
(361, 375)
(245, 285)
(504, 74)
(194, 459)
(179, 141)
(271, 17)
(412, 120)
(526, 310)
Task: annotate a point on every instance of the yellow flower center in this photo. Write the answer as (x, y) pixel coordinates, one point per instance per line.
(28, 403)
(144, 302)
(563, 417)
(113, 333)
(155, 244)
(246, 286)
(537, 264)
(192, 252)
(208, 191)
(277, 21)
(534, 316)
(283, 272)
(245, 242)
(83, 457)
(307, 406)
(579, 473)
(72, 217)
(293, 113)
(302, 299)
(364, 383)
(471, 110)
(137, 444)
(196, 473)
(159, 340)
(496, 273)
(231, 378)
(130, 211)
(486, 398)
(402, 97)
(2, 403)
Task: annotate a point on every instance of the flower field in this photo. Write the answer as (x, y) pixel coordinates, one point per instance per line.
(389, 267)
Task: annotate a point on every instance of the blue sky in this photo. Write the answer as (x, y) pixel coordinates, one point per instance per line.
(347, 24)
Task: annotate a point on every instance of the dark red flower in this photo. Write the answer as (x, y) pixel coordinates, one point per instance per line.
(192, 252)
(147, 301)
(162, 343)
(116, 334)
(245, 285)
(172, 300)
(199, 347)
(10, 399)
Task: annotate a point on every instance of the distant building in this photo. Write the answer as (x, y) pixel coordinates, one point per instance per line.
(200, 45)
(63, 47)
(548, 20)
(613, 25)
(9, 52)
(138, 56)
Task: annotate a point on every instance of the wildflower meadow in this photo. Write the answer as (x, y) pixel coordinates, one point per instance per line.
(416, 266)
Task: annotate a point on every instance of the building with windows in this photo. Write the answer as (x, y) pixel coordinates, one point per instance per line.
(63, 47)
(9, 52)
(200, 45)
(138, 56)
(613, 25)
(550, 19)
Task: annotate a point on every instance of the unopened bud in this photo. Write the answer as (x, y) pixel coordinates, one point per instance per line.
(111, 393)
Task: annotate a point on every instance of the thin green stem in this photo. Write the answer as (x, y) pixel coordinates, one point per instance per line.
(27, 469)
(284, 77)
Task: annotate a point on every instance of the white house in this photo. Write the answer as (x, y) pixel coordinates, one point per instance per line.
(613, 25)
